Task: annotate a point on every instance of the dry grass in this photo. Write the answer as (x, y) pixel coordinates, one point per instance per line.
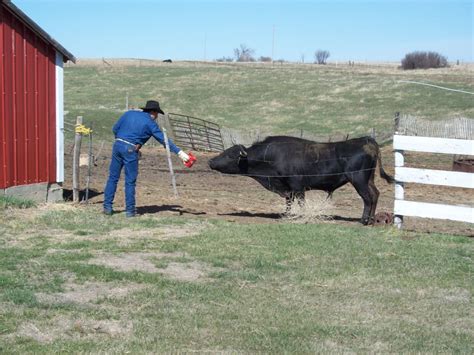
(316, 208)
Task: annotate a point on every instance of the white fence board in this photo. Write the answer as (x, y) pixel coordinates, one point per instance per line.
(431, 177)
(433, 210)
(434, 145)
(435, 177)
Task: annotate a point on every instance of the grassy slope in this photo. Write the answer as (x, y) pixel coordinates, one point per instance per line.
(272, 288)
(319, 99)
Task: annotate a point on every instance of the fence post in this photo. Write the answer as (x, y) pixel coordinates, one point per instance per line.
(399, 186)
(75, 164)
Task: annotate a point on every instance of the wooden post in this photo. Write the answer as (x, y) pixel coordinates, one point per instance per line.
(75, 165)
(170, 164)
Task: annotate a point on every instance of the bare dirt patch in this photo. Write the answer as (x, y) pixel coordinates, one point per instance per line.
(181, 271)
(204, 193)
(126, 236)
(89, 292)
(67, 328)
(130, 261)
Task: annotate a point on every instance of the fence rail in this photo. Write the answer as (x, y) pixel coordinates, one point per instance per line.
(431, 177)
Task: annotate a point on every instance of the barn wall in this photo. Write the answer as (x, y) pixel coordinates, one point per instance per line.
(27, 105)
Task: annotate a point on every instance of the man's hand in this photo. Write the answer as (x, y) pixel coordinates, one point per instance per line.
(183, 156)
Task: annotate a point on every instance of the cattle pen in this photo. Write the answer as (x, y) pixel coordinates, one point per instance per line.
(210, 193)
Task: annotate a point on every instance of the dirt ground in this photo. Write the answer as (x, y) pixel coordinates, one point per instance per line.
(208, 194)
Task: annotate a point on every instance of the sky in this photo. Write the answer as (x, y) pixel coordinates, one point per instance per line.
(372, 31)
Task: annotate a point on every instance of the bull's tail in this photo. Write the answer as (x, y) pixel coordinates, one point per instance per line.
(383, 174)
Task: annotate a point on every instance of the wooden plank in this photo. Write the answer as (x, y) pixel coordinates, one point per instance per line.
(434, 145)
(435, 177)
(434, 210)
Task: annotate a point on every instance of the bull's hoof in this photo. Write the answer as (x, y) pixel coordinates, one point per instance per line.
(365, 221)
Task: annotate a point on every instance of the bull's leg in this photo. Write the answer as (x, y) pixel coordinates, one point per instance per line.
(375, 197)
(363, 190)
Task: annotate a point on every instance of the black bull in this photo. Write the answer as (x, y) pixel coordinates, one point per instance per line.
(289, 166)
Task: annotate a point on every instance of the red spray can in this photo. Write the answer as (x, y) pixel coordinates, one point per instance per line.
(191, 161)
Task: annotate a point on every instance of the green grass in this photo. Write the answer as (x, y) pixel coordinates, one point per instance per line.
(317, 99)
(265, 288)
(15, 202)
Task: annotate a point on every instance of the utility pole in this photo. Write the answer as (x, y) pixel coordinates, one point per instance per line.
(273, 44)
(205, 40)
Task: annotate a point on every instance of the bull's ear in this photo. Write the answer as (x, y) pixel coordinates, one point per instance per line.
(243, 152)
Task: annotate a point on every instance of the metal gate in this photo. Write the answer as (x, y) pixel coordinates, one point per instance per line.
(195, 133)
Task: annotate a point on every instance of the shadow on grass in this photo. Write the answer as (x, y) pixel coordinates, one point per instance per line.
(250, 214)
(282, 216)
(166, 208)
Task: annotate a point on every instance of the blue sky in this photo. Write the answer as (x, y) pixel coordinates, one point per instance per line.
(383, 30)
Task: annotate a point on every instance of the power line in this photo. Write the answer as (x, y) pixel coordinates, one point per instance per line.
(436, 86)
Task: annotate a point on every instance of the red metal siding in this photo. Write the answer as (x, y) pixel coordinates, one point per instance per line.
(28, 105)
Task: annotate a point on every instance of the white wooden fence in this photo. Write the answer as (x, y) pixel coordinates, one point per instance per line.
(430, 177)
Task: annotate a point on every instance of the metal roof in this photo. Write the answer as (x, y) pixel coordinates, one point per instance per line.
(38, 30)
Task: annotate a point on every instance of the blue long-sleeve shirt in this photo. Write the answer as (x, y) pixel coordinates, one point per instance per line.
(138, 127)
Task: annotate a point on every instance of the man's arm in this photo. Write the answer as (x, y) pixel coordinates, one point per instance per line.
(158, 134)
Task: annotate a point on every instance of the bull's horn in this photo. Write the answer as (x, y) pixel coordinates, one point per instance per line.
(243, 152)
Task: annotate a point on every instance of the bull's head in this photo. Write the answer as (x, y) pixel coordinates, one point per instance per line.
(231, 161)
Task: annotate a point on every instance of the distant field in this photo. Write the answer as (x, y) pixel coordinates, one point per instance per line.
(281, 98)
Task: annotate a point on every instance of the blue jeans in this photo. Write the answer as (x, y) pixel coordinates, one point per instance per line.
(123, 155)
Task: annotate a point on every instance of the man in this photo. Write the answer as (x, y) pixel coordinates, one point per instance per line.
(132, 131)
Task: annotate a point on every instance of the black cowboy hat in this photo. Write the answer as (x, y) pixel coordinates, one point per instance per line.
(152, 105)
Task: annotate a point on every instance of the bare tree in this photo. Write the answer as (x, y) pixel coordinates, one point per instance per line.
(244, 54)
(320, 56)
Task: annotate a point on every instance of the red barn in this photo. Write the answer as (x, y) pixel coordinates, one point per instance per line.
(31, 108)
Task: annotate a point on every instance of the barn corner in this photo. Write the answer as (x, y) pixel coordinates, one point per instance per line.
(31, 108)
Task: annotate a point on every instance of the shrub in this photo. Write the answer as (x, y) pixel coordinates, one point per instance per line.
(225, 59)
(424, 60)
